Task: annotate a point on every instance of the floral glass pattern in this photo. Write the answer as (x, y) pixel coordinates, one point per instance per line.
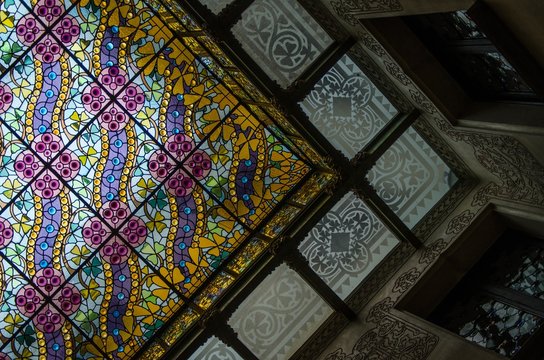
(130, 172)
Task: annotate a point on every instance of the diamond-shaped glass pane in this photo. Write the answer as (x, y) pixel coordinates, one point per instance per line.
(279, 315)
(347, 108)
(281, 37)
(411, 178)
(347, 244)
(19, 30)
(215, 349)
(216, 5)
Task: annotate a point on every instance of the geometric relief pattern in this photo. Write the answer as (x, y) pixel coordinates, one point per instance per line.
(392, 339)
(128, 174)
(411, 178)
(347, 108)
(347, 244)
(351, 10)
(279, 315)
(215, 349)
(216, 5)
(281, 37)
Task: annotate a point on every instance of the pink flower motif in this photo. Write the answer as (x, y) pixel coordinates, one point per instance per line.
(66, 297)
(47, 146)
(162, 165)
(29, 30)
(131, 97)
(6, 233)
(115, 251)
(6, 97)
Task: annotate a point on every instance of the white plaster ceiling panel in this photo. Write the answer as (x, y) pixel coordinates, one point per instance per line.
(347, 108)
(281, 37)
(411, 178)
(279, 315)
(347, 244)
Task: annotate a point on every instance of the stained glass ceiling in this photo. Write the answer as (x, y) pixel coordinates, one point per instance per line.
(134, 171)
(148, 186)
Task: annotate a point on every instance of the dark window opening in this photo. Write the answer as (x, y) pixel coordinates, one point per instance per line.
(499, 304)
(470, 57)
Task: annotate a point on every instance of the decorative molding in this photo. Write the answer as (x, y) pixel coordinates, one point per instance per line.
(391, 339)
(380, 310)
(521, 175)
(406, 280)
(460, 222)
(431, 252)
(350, 10)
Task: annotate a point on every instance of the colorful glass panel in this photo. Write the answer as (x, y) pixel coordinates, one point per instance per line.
(130, 172)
